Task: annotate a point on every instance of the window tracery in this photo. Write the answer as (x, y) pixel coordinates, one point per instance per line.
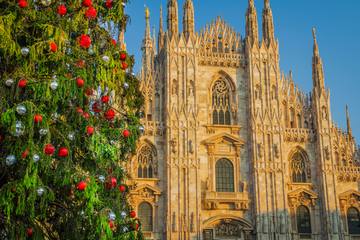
(299, 168)
(146, 162)
(221, 103)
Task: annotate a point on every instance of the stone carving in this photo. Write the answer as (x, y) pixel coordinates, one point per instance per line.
(276, 151)
(228, 228)
(260, 150)
(173, 144)
(327, 153)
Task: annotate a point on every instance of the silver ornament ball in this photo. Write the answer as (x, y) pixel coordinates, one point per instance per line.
(142, 129)
(101, 178)
(54, 85)
(105, 58)
(71, 136)
(25, 51)
(112, 216)
(21, 109)
(9, 82)
(43, 131)
(36, 158)
(46, 2)
(126, 85)
(10, 160)
(19, 129)
(123, 214)
(40, 191)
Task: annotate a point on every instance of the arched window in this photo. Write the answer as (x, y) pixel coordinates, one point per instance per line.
(224, 176)
(353, 219)
(298, 168)
(145, 212)
(146, 162)
(221, 105)
(303, 220)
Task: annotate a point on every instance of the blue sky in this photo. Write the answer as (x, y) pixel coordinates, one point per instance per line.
(338, 33)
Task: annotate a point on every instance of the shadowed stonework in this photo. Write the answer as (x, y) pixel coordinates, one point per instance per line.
(232, 148)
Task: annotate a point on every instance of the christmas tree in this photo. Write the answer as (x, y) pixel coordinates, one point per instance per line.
(69, 120)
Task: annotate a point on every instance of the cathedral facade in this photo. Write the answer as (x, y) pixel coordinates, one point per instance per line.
(232, 148)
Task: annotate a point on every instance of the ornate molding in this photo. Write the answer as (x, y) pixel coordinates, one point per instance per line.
(299, 135)
(349, 199)
(302, 196)
(214, 200)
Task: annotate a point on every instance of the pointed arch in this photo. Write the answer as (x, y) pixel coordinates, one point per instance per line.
(299, 166)
(222, 101)
(147, 160)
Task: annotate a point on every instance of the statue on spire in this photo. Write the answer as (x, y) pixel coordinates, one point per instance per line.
(252, 31)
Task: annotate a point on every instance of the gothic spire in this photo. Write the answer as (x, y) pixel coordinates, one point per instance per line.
(318, 71)
(172, 18)
(147, 46)
(188, 19)
(348, 124)
(161, 31)
(147, 19)
(252, 32)
(268, 23)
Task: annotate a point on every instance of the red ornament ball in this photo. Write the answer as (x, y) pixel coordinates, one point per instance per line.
(113, 41)
(38, 118)
(63, 152)
(53, 47)
(126, 133)
(122, 188)
(91, 13)
(80, 64)
(80, 82)
(23, 3)
(132, 214)
(25, 154)
(49, 149)
(111, 224)
(113, 182)
(123, 56)
(62, 10)
(90, 130)
(29, 232)
(105, 99)
(96, 107)
(110, 115)
(89, 92)
(79, 110)
(87, 3)
(85, 41)
(109, 3)
(81, 186)
(22, 83)
(124, 65)
(86, 115)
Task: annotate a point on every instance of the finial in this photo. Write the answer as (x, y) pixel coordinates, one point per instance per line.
(348, 123)
(267, 3)
(147, 13)
(314, 33)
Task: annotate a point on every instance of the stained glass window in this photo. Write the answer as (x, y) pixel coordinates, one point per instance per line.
(298, 168)
(353, 219)
(221, 105)
(224, 176)
(145, 213)
(146, 162)
(303, 220)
